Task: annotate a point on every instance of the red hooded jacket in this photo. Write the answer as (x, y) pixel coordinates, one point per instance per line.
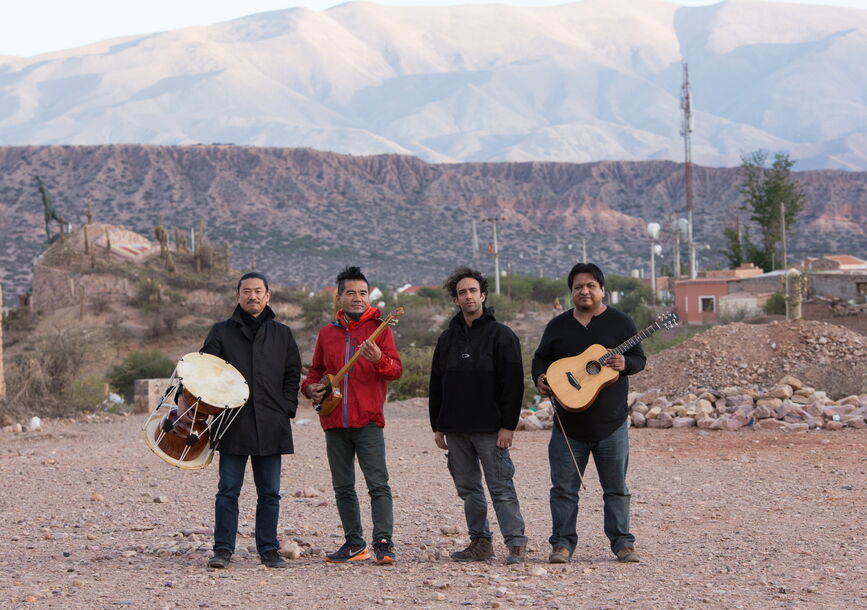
(365, 385)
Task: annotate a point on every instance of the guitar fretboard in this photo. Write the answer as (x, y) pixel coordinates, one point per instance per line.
(634, 340)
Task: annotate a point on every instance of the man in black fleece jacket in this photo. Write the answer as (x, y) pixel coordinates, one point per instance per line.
(476, 390)
(602, 429)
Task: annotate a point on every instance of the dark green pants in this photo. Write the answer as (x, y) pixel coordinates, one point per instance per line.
(368, 443)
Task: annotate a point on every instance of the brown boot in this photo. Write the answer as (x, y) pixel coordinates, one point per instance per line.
(517, 554)
(627, 554)
(480, 549)
(559, 554)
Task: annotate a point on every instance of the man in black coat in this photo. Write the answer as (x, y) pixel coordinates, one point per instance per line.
(476, 391)
(265, 353)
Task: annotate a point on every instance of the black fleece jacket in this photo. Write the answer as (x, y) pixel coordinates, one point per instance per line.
(477, 378)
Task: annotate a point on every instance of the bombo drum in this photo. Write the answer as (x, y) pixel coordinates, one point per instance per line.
(203, 398)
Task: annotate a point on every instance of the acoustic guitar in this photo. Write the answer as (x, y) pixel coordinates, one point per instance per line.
(577, 381)
(332, 397)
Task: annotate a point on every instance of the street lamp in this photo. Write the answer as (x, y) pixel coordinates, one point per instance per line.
(653, 233)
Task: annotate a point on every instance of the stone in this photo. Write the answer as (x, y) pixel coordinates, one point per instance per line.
(537, 571)
(704, 423)
(769, 402)
(654, 423)
(290, 550)
(532, 422)
(638, 420)
(791, 381)
(160, 500)
(771, 424)
(855, 421)
(311, 492)
(780, 391)
(683, 422)
(147, 394)
(665, 420)
(796, 427)
(95, 497)
(703, 407)
(833, 425)
(654, 413)
(649, 396)
(450, 530)
(640, 407)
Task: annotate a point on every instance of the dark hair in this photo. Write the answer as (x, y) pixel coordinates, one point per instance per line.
(590, 268)
(253, 275)
(451, 283)
(350, 273)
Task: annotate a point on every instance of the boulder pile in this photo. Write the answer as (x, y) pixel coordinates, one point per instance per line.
(789, 404)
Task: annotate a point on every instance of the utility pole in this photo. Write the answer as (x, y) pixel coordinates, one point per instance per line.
(686, 128)
(583, 250)
(496, 253)
(475, 245)
(783, 231)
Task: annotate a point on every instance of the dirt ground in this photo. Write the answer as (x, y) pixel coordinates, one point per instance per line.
(748, 519)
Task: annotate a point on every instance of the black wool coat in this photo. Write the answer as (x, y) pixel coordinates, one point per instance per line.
(271, 364)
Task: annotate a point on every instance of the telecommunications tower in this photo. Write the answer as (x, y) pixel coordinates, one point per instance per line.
(686, 129)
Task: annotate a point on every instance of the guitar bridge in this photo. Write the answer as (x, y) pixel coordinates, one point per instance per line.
(572, 381)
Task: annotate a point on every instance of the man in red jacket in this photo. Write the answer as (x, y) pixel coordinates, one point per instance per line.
(354, 428)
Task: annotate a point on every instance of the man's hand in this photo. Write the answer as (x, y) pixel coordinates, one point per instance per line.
(542, 385)
(370, 351)
(504, 438)
(440, 440)
(616, 362)
(315, 392)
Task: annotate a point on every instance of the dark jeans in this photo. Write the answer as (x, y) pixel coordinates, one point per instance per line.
(466, 453)
(368, 443)
(611, 456)
(266, 474)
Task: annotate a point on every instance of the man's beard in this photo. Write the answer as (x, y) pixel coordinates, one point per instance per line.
(355, 317)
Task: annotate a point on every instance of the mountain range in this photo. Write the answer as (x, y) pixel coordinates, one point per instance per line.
(584, 81)
(303, 214)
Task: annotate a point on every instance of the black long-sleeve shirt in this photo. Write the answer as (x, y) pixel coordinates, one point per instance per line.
(477, 378)
(564, 337)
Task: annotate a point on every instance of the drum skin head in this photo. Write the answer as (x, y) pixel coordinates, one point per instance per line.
(213, 380)
(152, 431)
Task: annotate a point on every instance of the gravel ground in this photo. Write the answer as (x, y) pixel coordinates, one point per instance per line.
(751, 519)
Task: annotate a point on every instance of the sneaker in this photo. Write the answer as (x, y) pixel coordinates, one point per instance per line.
(480, 549)
(348, 552)
(517, 554)
(560, 554)
(272, 559)
(383, 552)
(220, 559)
(628, 555)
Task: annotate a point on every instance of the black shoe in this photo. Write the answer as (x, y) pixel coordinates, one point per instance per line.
(348, 552)
(383, 552)
(272, 559)
(220, 559)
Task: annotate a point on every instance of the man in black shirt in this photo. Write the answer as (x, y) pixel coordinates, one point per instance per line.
(602, 429)
(476, 391)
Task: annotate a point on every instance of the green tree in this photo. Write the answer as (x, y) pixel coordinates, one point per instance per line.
(766, 191)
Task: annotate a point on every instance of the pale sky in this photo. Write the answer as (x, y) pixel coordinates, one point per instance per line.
(31, 27)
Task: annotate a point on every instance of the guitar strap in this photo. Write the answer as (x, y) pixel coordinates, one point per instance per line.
(569, 447)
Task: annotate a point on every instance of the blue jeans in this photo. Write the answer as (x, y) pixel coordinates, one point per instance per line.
(266, 474)
(343, 445)
(611, 456)
(466, 453)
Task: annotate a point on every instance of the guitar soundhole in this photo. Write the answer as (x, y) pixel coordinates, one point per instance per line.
(593, 367)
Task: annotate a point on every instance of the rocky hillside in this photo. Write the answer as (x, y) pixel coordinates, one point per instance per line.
(304, 213)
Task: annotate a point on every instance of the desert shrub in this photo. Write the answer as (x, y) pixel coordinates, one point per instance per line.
(776, 304)
(415, 380)
(19, 318)
(40, 381)
(85, 393)
(419, 326)
(317, 310)
(139, 365)
(505, 309)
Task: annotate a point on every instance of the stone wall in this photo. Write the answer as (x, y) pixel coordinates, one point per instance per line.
(146, 394)
(55, 288)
